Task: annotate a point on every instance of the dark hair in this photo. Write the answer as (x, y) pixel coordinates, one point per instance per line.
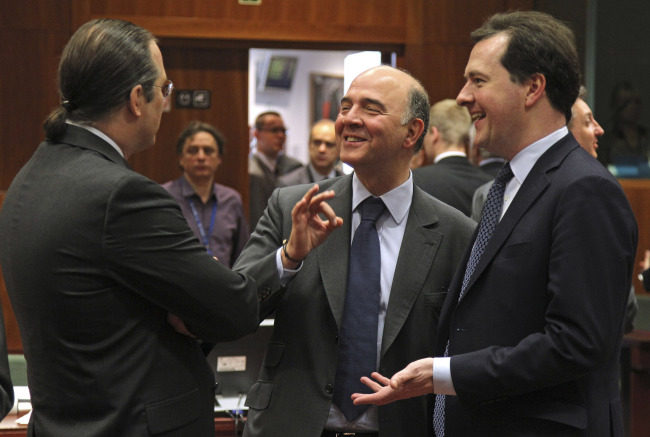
(538, 43)
(417, 106)
(260, 119)
(199, 126)
(101, 63)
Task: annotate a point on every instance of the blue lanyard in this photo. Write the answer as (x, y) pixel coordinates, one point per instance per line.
(205, 238)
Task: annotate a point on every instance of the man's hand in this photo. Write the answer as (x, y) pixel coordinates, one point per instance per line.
(309, 230)
(178, 325)
(645, 264)
(416, 379)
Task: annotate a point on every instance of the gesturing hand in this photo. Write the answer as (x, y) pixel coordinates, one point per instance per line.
(309, 230)
(416, 379)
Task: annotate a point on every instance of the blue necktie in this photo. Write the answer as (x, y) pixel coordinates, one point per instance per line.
(489, 220)
(358, 336)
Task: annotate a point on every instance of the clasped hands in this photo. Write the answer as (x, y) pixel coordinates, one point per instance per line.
(309, 230)
(416, 379)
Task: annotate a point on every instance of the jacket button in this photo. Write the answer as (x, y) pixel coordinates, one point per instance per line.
(329, 389)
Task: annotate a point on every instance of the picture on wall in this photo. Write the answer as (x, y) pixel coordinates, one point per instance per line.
(326, 94)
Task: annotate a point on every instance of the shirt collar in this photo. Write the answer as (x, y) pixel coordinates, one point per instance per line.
(99, 133)
(271, 164)
(444, 155)
(319, 176)
(187, 190)
(524, 161)
(394, 199)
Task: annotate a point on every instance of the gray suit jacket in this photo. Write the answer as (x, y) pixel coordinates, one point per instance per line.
(299, 176)
(94, 256)
(293, 394)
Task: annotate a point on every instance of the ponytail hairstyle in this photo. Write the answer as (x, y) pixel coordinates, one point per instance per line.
(103, 61)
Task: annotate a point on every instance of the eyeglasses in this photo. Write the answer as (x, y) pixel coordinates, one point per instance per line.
(166, 87)
(276, 130)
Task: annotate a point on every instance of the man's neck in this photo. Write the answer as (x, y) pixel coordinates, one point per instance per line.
(202, 186)
(325, 172)
(379, 183)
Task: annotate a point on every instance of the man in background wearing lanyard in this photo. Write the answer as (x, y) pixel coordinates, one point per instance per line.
(214, 212)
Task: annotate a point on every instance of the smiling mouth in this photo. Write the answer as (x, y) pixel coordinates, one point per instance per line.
(353, 139)
(478, 116)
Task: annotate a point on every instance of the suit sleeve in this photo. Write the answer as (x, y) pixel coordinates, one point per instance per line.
(242, 234)
(150, 250)
(258, 258)
(584, 277)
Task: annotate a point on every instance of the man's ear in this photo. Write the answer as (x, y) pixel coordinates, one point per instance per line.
(136, 100)
(536, 88)
(415, 129)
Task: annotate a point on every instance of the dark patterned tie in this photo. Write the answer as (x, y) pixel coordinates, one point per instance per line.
(489, 220)
(358, 337)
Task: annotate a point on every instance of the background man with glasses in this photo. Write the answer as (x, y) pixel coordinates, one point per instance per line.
(100, 264)
(267, 163)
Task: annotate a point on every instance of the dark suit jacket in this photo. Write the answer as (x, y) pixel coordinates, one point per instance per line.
(535, 341)
(94, 256)
(492, 167)
(299, 176)
(6, 387)
(452, 180)
(293, 394)
(262, 182)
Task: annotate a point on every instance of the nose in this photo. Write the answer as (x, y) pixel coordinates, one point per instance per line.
(322, 148)
(351, 117)
(464, 97)
(599, 131)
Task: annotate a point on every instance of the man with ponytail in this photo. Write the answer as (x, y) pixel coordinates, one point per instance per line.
(106, 279)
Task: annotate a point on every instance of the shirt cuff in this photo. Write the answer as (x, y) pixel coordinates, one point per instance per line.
(285, 275)
(442, 382)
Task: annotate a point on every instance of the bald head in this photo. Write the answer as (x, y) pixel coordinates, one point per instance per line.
(323, 147)
(380, 126)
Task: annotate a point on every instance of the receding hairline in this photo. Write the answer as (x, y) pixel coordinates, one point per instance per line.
(411, 84)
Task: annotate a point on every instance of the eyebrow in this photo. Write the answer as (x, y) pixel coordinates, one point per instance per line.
(366, 101)
(472, 73)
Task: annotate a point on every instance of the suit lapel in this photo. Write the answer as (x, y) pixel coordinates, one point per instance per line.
(533, 187)
(419, 246)
(333, 254)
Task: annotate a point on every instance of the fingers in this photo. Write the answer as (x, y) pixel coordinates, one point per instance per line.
(382, 379)
(372, 384)
(315, 203)
(332, 221)
(305, 202)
